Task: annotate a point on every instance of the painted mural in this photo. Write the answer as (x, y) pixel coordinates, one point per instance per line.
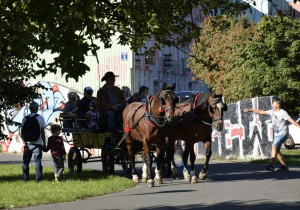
(244, 135)
(52, 99)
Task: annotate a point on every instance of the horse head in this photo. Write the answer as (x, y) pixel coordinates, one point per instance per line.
(167, 101)
(216, 107)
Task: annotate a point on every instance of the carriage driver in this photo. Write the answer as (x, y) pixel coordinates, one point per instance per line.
(111, 101)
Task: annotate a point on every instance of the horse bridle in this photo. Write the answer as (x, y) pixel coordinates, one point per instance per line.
(219, 100)
(151, 118)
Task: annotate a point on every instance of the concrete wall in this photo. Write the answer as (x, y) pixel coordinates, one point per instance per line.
(244, 135)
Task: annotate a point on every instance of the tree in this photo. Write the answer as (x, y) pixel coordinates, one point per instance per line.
(245, 60)
(219, 58)
(273, 58)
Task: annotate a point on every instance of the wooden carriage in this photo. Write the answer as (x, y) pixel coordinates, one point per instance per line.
(85, 139)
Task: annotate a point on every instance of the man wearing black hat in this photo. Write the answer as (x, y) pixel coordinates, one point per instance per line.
(111, 101)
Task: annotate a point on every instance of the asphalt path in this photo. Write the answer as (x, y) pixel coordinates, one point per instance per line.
(229, 186)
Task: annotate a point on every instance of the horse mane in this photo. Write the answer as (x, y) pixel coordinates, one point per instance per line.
(202, 101)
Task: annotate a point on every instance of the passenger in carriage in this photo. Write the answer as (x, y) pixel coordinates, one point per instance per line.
(93, 116)
(126, 92)
(134, 98)
(143, 92)
(70, 108)
(83, 105)
(111, 101)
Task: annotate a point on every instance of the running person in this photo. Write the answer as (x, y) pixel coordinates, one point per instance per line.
(279, 118)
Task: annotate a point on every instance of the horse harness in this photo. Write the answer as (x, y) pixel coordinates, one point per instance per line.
(192, 114)
(151, 119)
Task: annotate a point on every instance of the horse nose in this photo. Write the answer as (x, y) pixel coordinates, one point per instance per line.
(219, 127)
(169, 118)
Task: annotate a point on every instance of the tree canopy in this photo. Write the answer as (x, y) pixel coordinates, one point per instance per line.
(245, 60)
(68, 29)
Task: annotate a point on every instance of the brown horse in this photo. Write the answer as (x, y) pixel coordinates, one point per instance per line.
(193, 123)
(148, 122)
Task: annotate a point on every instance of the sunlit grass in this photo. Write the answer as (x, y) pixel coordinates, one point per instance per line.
(16, 193)
(292, 157)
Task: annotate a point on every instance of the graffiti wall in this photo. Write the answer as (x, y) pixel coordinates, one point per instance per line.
(244, 135)
(52, 99)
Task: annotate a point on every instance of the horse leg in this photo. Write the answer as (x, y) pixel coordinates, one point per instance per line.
(150, 182)
(175, 174)
(130, 149)
(192, 160)
(144, 170)
(185, 156)
(160, 154)
(204, 171)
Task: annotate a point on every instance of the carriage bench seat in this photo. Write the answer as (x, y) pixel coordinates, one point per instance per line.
(78, 130)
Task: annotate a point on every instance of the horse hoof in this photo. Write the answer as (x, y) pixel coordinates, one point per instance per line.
(150, 183)
(136, 180)
(144, 179)
(187, 178)
(176, 176)
(158, 181)
(194, 179)
(202, 176)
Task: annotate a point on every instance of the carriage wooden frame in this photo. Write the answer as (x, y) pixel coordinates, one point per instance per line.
(111, 154)
(85, 139)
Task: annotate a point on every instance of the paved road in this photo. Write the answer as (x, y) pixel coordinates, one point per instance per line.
(229, 186)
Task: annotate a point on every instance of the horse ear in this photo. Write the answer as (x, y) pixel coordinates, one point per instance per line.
(173, 86)
(164, 86)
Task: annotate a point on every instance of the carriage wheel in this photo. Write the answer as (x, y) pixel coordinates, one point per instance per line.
(166, 164)
(108, 163)
(125, 162)
(74, 160)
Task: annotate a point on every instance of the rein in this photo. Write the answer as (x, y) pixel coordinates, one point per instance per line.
(155, 120)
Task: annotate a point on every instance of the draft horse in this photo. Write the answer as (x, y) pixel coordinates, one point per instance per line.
(148, 122)
(194, 122)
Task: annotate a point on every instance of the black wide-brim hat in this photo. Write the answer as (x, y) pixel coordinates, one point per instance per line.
(108, 75)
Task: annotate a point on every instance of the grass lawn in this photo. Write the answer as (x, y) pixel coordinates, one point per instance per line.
(292, 157)
(15, 193)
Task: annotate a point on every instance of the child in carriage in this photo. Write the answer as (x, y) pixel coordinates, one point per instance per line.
(93, 116)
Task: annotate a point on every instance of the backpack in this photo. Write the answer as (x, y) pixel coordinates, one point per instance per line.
(31, 129)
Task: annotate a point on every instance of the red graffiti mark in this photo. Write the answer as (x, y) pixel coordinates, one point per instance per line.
(93, 151)
(10, 135)
(62, 106)
(5, 146)
(237, 132)
(55, 88)
(228, 141)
